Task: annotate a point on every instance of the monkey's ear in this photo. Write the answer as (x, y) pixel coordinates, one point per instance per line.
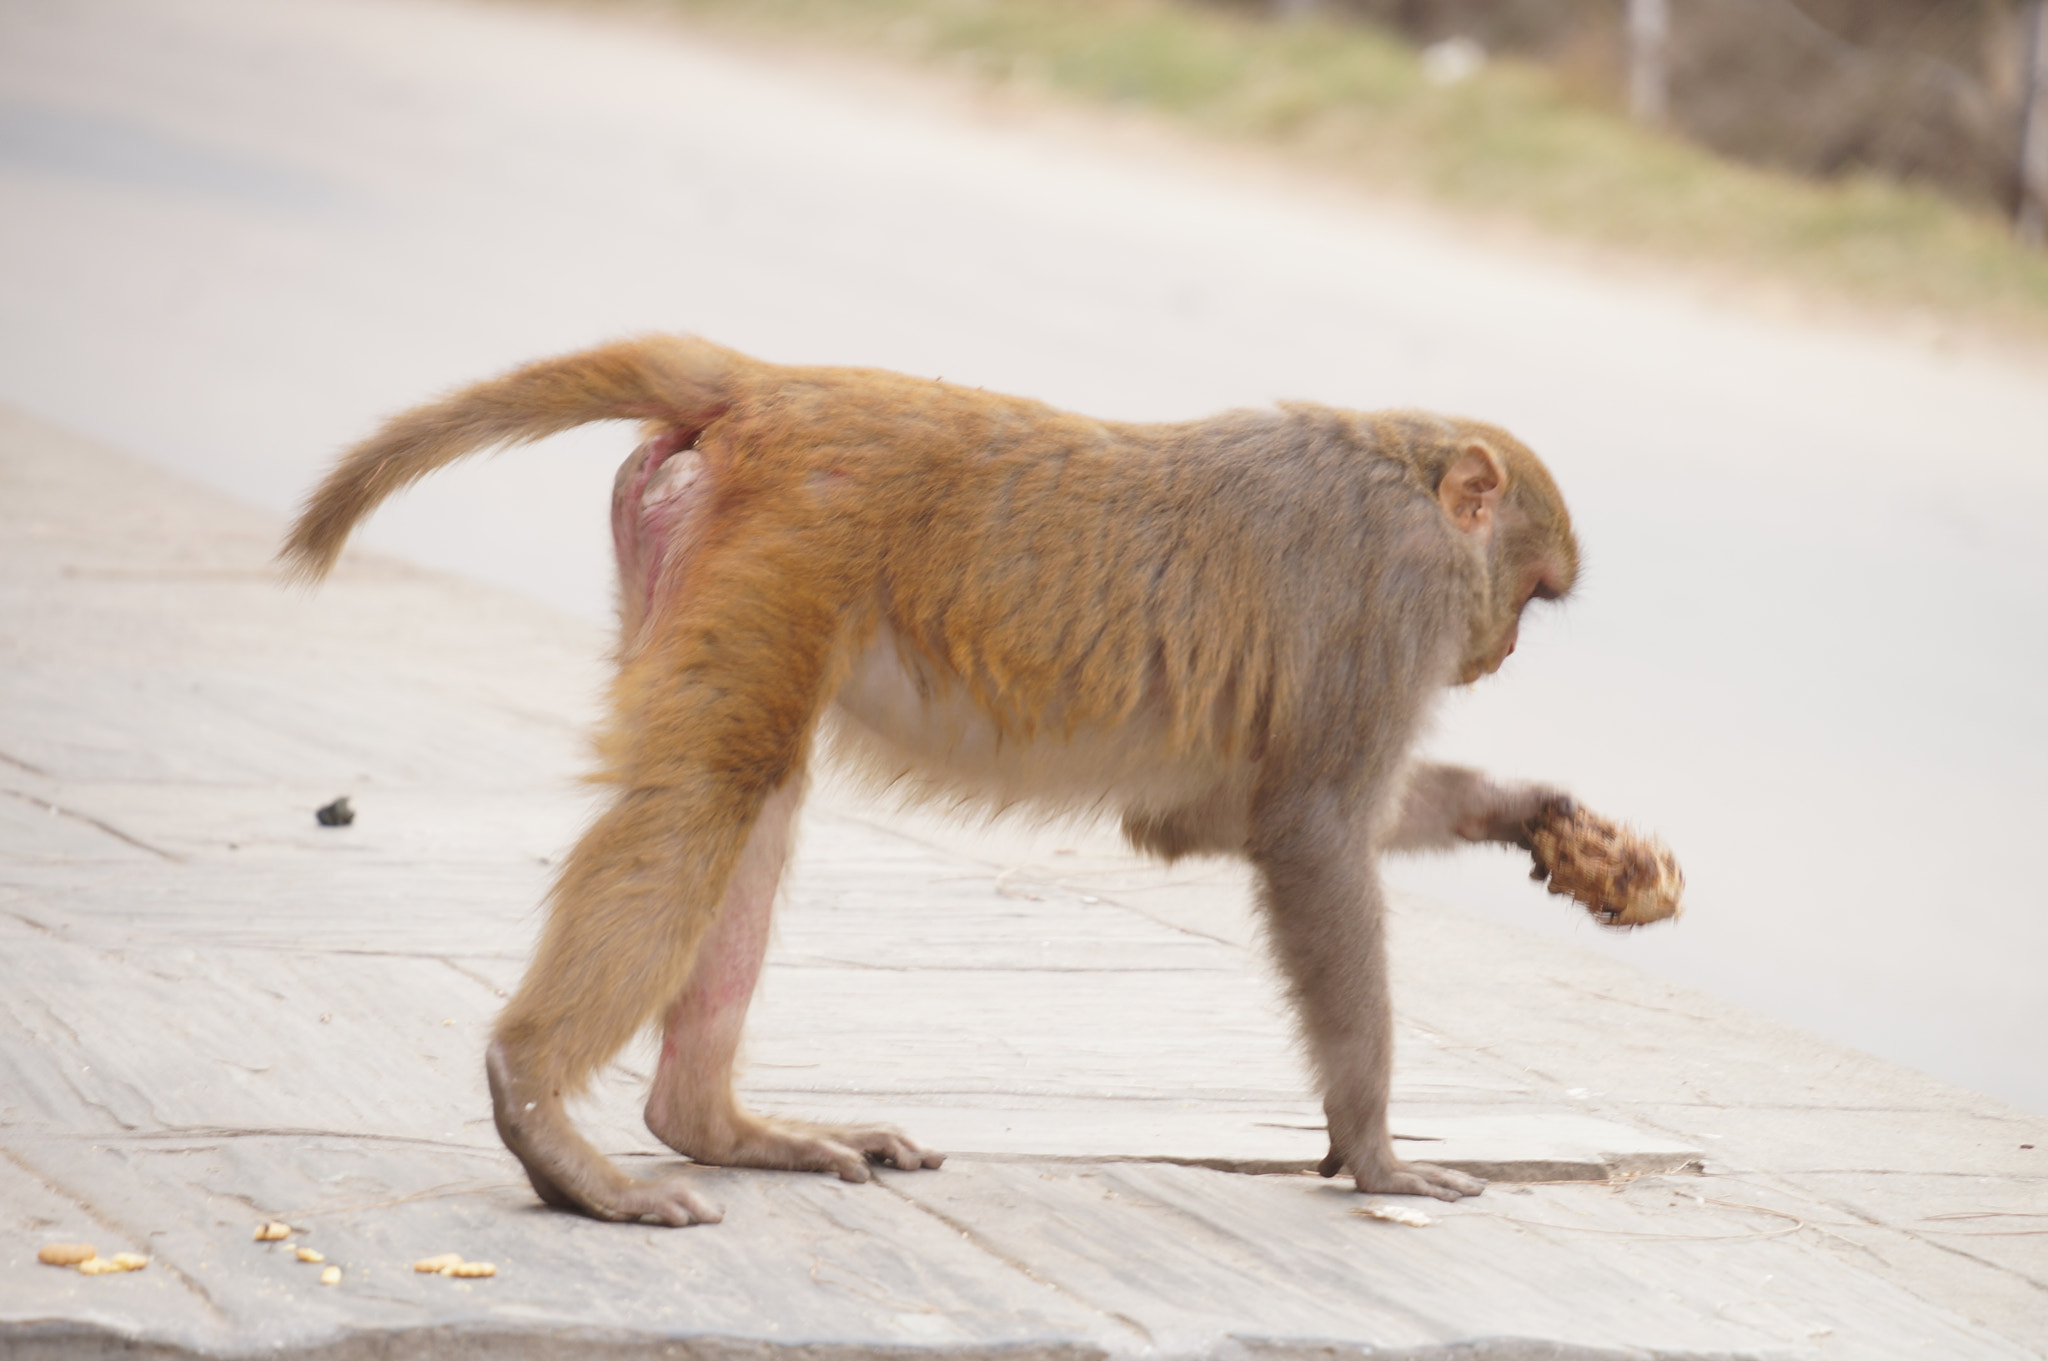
(1471, 488)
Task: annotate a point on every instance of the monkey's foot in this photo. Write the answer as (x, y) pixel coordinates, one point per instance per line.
(670, 1200)
(565, 1170)
(743, 1140)
(1392, 1177)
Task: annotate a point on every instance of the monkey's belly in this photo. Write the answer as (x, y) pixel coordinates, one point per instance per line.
(924, 736)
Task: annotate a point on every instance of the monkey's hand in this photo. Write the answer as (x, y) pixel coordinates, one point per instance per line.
(1388, 1176)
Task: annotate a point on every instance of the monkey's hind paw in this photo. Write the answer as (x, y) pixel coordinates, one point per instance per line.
(668, 1199)
(1624, 879)
(790, 1146)
(619, 1198)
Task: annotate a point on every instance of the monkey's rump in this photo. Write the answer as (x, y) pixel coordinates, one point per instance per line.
(1624, 879)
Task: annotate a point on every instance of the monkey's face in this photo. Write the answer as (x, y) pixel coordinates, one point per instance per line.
(1506, 506)
(1506, 629)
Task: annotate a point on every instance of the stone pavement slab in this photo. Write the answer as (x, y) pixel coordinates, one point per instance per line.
(214, 1012)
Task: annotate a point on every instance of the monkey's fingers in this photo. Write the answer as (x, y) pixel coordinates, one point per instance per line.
(1420, 1179)
(1392, 1177)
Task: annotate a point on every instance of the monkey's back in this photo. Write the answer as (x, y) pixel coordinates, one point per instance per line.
(1072, 577)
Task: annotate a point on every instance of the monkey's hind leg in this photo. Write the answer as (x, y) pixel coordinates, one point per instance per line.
(636, 899)
(692, 1107)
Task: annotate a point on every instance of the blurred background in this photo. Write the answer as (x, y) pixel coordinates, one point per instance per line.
(1924, 90)
(1753, 276)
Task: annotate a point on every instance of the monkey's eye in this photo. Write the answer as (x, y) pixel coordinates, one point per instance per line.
(1543, 590)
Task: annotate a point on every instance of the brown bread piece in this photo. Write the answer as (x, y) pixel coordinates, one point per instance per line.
(1624, 879)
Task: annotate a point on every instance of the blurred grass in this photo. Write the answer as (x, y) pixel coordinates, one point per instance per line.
(1514, 142)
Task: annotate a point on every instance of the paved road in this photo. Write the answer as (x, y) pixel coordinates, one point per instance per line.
(1808, 645)
(215, 1013)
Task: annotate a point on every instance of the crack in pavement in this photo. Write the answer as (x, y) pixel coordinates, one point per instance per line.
(91, 821)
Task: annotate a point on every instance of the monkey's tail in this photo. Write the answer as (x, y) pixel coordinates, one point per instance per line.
(658, 377)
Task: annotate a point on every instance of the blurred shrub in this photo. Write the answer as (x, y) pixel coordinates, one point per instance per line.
(1924, 90)
(1921, 90)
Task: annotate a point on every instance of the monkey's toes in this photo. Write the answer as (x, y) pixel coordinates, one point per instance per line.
(818, 1153)
(893, 1150)
(670, 1200)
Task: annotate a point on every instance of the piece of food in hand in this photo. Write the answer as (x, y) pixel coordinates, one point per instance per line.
(1624, 879)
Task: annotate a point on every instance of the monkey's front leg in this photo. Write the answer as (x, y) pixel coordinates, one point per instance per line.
(692, 1107)
(1321, 888)
(1450, 806)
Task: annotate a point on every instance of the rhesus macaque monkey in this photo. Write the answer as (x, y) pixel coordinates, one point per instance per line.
(1230, 631)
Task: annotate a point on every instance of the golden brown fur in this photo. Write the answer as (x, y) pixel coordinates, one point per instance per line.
(1226, 631)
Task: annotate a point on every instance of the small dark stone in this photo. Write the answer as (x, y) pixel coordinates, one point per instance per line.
(336, 814)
